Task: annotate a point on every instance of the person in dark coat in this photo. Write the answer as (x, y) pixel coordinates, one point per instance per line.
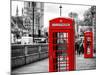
(81, 49)
(77, 47)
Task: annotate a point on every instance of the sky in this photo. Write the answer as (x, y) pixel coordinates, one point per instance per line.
(14, 5)
(52, 10)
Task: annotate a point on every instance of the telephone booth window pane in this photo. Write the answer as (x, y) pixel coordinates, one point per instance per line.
(88, 45)
(61, 53)
(61, 38)
(60, 41)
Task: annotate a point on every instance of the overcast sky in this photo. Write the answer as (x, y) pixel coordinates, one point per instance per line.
(52, 10)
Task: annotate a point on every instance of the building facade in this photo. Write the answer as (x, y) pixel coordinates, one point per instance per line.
(74, 16)
(33, 17)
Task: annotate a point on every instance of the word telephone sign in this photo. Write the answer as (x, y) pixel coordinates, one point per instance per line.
(61, 45)
(88, 44)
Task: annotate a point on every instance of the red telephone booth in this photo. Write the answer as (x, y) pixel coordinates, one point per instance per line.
(61, 45)
(88, 45)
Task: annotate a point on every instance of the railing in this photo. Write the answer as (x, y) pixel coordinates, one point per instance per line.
(25, 54)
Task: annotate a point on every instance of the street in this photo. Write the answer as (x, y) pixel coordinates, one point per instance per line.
(85, 64)
(43, 65)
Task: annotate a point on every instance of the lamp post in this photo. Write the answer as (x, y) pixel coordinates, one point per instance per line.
(60, 9)
(33, 21)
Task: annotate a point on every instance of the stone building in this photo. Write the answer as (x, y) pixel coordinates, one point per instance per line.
(74, 16)
(33, 17)
(17, 27)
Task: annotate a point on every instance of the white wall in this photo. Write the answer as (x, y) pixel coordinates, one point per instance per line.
(5, 37)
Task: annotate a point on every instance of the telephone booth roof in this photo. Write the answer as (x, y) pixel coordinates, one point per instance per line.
(60, 22)
(88, 33)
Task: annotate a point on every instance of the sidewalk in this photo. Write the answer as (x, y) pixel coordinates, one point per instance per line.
(85, 63)
(36, 67)
(43, 65)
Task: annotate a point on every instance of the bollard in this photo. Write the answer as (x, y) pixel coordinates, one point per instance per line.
(26, 53)
(39, 49)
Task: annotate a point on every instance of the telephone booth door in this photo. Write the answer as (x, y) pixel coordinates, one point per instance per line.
(88, 44)
(61, 49)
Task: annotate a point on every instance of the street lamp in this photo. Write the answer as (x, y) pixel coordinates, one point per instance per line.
(60, 9)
